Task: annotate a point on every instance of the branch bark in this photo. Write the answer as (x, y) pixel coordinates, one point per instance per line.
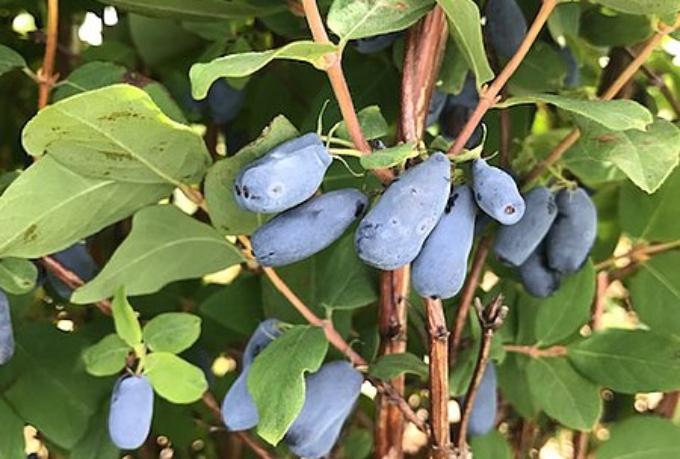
(46, 73)
(658, 81)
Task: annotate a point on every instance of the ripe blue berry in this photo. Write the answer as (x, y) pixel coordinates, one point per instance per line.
(505, 27)
(370, 45)
(6, 333)
(283, 178)
(439, 270)
(77, 259)
(131, 412)
(393, 232)
(496, 193)
(483, 415)
(537, 277)
(515, 243)
(308, 228)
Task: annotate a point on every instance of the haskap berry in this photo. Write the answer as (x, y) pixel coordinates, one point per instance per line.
(284, 177)
(6, 332)
(440, 267)
(370, 45)
(437, 104)
(483, 414)
(573, 234)
(304, 230)
(330, 396)
(77, 259)
(224, 101)
(394, 230)
(131, 412)
(496, 193)
(537, 277)
(515, 243)
(238, 408)
(505, 27)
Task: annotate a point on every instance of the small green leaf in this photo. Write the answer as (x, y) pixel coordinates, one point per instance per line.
(17, 276)
(643, 6)
(117, 132)
(491, 446)
(392, 365)
(172, 332)
(515, 385)
(10, 60)
(562, 314)
(617, 115)
(125, 319)
(641, 437)
(629, 361)
(244, 64)
(605, 29)
(107, 357)
(465, 27)
(164, 245)
(389, 157)
(352, 19)
(225, 214)
(372, 123)
(564, 394)
(93, 75)
(175, 379)
(198, 10)
(276, 378)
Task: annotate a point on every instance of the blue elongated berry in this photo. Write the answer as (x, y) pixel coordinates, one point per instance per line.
(468, 97)
(515, 243)
(330, 396)
(393, 232)
(283, 178)
(496, 193)
(6, 333)
(224, 102)
(77, 259)
(370, 45)
(308, 228)
(483, 414)
(573, 233)
(238, 408)
(537, 277)
(437, 104)
(131, 412)
(452, 121)
(573, 77)
(505, 27)
(440, 267)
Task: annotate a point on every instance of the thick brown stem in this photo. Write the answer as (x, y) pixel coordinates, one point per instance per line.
(490, 95)
(439, 379)
(580, 442)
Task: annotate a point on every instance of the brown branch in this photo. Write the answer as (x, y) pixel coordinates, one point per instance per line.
(46, 73)
(613, 90)
(467, 295)
(536, 352)
(580, 442)
(638, 254)
(491, 320)
(668, 405)
(658, 81)
(439, 379)
(490, 95)
(600, 300)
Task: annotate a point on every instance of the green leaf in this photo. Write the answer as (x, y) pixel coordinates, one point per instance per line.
(651, 217)
(393, 365)
(172, 332)
(643, 6)
(197, 10)
(96, 443)
(372, 123)
(125, 319)
(42, 211)
(605, 30)
(107, 357)
(490, 446)
(617, 115)
(117, 132)
(237, 306)
(565, 22)
(352, 19)
(244, 64)
(164, 245)
(225, 214)
(11, 434)
(93, 75)
(641, 437)
(515, 385)
(389, 157)
(282, 365)
(629, 361)
(542, 70)
(17, 276)
(646, 157)
(454, 69)
(564, 394)
(175, 379)
(563, 313)
(655, 293)
(466, 29)
(10, 60)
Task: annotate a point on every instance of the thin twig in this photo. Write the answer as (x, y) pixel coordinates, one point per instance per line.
(489, 96)
(46, 73)
(602, 283)
(467, 295)
(658, 81)
(580, 442)
(613, 90)
(439, 379)
(536, 352)
(491, 319)
(638, 254)
(71, 279)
